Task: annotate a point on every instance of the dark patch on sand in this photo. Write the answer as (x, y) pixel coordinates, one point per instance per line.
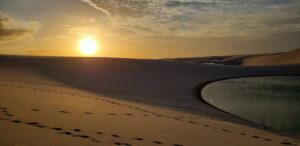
(77, 130)
(157, 142)
(17, 121)
(139, 139)
(65, 112)
(58, 129)
(34, 109)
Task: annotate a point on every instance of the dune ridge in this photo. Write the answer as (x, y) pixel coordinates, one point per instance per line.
(292, 57)
(282, 58)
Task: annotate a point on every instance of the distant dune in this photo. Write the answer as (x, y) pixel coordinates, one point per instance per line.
(284, 58)
(292, 57)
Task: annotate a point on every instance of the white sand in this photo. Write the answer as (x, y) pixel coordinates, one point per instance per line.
(136, 102)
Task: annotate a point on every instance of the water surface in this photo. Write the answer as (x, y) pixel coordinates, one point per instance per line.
(273, 101)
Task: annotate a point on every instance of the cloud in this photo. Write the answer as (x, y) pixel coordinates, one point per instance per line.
(191, 4)
(202, 18)
(124, 8)
(11, 29)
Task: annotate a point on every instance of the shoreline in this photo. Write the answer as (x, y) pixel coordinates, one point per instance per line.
(236, 119)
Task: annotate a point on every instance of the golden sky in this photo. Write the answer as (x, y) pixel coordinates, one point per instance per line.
(149, 28)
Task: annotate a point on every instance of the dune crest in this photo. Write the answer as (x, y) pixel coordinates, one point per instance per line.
(292, 57)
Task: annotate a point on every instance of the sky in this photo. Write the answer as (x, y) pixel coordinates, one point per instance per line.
(149, 28)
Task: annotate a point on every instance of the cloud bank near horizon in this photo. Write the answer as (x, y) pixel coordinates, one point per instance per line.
(11, 29)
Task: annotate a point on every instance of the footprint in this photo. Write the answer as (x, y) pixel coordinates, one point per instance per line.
(16, 121)
(266, 139)
(157, 142)
(9, 115)
(124, 144)
(192, 122)
(242, 134)
(99, 133)
(83, 136)
(128, 114)
(177, 145)
(59, 129)
(286, 143)
(160, 115)
(41, 126)
(77, 130)
(35, 109)
(225, 130)
(256, 136)
(140, 139)
(32, 123)
(89, 113)
(112, 114)
(114, 135)
(67, 133)
(65, 112)
(95, 140)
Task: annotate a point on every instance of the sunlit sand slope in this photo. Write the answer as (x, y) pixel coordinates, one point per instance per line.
(292, 57)
(119, 102)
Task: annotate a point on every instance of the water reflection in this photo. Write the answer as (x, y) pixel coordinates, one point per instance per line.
(273, 101)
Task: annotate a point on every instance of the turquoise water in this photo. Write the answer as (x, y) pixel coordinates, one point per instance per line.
(272, 101)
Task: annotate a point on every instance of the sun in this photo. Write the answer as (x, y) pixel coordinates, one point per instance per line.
(88, 46)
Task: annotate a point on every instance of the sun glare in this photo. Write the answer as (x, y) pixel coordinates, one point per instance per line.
(88, 46)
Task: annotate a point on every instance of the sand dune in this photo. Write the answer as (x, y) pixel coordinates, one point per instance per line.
(292, 57)
(285, 58)
(106, 101)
